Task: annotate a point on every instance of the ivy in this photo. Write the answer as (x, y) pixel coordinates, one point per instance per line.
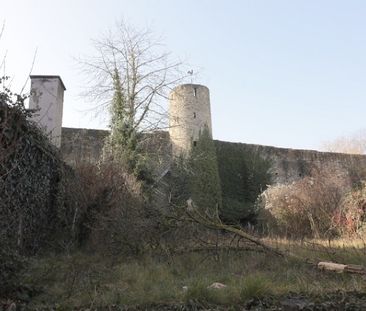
(123, 145)
(34, 208)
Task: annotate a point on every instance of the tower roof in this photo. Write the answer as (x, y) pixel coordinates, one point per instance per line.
(48, 77)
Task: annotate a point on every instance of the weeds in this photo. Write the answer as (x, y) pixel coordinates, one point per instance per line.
(84, 280)
(255, 287)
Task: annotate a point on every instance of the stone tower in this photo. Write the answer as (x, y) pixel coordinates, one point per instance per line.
(47, 97)
(189, 114)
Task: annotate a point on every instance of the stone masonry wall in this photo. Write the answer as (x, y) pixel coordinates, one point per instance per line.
(82, 145)
(288, 165)
(86, 146)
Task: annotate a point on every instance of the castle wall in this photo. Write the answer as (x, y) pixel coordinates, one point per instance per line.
(288, 165)
(86, 146)
(189, 113)
(82, 145)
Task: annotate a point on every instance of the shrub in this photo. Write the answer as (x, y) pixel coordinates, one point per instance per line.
(11, 264)
(118, 219)
(352, 216)
(310, 207)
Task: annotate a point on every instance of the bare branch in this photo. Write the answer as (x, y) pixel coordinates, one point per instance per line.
(146, 73)
(30, 71)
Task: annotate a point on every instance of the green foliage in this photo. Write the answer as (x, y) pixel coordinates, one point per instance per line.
(205, 181)
(179, 180)
(37, 210)
(254, 287)
(28, 178)
(222, 175)
(123, 137)
(95, 281)
(234, 211)
(40, 201)
(123, 144)
(244, 175)
(199, 292)
(11, 265)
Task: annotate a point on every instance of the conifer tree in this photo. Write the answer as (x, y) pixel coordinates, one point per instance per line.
(205, 181)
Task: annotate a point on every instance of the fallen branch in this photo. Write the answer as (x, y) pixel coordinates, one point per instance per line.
(220, 248)
(213, 222)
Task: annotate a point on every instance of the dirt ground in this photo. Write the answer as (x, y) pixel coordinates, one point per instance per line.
(341, 301)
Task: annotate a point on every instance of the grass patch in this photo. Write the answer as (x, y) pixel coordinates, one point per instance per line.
(255, 287)
(84, 280)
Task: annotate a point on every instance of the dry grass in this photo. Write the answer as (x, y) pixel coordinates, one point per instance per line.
(92, 281)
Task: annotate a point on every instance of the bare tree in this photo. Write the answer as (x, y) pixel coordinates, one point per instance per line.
(352, 144)
(3, 57)
(134, 64)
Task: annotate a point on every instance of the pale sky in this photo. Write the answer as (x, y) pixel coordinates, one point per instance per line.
(287, 73)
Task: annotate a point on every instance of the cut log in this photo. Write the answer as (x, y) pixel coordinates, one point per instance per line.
(355, 269)
(340, 268)
(331, 266)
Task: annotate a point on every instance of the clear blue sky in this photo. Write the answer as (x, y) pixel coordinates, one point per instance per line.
(284, 73)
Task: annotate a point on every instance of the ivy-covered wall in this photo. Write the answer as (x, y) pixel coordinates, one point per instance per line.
(34, 210)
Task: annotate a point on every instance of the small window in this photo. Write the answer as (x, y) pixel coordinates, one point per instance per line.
(195, 92)
(194, 143)
(194, 115)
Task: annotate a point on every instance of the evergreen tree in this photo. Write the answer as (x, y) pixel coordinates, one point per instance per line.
(244, 175)
(205, 181)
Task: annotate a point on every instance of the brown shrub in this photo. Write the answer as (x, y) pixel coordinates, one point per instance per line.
(123, 217)
(119, 218)
(352, 217)
(311, 207)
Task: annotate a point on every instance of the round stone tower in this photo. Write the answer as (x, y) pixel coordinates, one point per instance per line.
(189, 114)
